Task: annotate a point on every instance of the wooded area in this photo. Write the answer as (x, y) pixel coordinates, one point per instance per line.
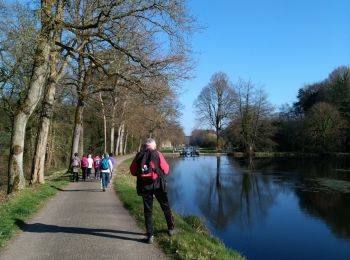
(318, 122)
(87, 77)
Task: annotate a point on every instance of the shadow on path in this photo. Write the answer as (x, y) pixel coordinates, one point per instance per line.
(87, 190)
(44, 228)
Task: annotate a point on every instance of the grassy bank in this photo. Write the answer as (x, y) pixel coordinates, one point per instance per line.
(192, 240)
(22, 205)
(209, 151)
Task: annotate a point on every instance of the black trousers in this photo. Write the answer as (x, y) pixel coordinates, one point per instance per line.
(162, 198)
(88, 172)
(84, 170)
(75, 176)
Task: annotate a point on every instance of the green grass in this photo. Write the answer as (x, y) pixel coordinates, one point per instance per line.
(192, 240)
(20, 206)
(335, 185)
(166, 150)
(127, 162)
(209, 150)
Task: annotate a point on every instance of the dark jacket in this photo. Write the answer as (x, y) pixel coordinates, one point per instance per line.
(152, 179)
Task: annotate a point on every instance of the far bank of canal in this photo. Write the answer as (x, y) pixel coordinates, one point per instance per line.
(272, 209)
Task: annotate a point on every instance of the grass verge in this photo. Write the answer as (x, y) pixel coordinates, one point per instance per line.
(335, 185)
(192, 240)
(20, 206)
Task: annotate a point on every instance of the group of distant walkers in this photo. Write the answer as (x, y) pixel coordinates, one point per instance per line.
(102, 167)
(150, 168)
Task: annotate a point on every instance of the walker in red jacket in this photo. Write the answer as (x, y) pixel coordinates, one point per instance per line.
(84, 166)
(151, 169)
(97, 164)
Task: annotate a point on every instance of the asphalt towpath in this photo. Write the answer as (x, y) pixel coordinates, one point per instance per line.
(81, 222)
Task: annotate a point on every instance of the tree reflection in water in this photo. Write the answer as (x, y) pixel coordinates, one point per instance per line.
(238, 194)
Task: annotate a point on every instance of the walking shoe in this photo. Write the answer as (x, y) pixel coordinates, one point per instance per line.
(150, 239)
(104, 189)
(171, 232)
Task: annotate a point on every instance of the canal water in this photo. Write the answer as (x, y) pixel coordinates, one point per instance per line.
(269, 209)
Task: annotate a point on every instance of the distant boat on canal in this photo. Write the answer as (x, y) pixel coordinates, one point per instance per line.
(189, 151)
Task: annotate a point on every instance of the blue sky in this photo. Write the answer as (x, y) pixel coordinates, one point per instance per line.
(278, 44)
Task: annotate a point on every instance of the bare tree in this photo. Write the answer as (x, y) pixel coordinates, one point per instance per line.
(128, 31)
(57, 68)
(216, 103)
(26, 107)
(252, 114)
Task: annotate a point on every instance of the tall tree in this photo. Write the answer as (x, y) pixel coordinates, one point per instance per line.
(40, 68)
(324, 128)
(339, 82)
(252, 116)
(82, 90)
(57, 67)
(216, 103)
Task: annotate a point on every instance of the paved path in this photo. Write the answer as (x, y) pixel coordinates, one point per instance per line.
(81, 222)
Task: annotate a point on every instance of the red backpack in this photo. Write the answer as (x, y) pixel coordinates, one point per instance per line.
(149, 164)
(84, 163)
(97, 163)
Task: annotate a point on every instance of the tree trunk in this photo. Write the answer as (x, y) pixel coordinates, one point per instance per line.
(112, 136)
(140, 144)
(41, 144)
(121, 144)
(118, 140)
(81, 138)
(78, 121)
(77, 127)
(30, 144)
(104, 124)
(40, 150)
(50, 148)
(217, 140)
(113, 123)
(125, 143)
(132, 143)
(16, 180)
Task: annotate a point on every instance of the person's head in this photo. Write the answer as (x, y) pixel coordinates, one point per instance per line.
(110, 154)
(150, 143)
(75, 154)
(89, 155)
(106, 155)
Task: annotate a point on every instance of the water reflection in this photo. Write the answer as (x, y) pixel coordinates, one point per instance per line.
(246, 203)
(215, 198)
(225, 193)
(334, 210)
(302, 176)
